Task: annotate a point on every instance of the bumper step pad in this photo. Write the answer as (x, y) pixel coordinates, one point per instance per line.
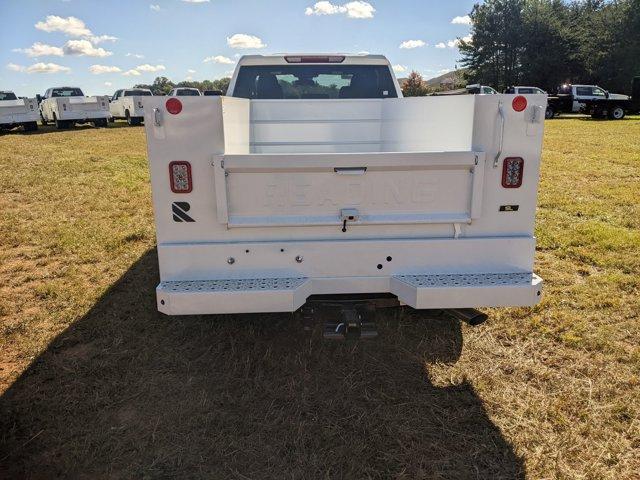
(469, 290)
(255, 295)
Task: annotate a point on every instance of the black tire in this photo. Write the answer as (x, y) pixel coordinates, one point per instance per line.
(549, 113)
(112, 119)
(60, 124)
(30, 126)
(101, 123)
(127, 116)
(136, 121)
(616, 112)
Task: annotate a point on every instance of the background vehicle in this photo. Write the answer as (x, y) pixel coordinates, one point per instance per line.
(66, 106)
(525, 90)
(185, 92)
(316, 177)
(127, 104)
(588, 99)
(16, 112)
(475, 89)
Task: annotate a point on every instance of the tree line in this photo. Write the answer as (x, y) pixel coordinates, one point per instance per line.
(162, 85)
(546, 43)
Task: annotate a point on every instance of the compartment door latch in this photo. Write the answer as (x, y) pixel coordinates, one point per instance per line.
(348, 215)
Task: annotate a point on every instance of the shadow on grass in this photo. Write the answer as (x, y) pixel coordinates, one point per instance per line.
(44, 129)
(126, 392)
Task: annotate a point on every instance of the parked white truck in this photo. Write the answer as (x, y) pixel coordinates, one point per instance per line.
(66, 106)
(127, 104)
(16, 112)
(314, 176)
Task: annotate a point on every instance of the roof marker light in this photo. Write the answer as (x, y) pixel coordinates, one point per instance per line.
(174, 106)
(314, 59)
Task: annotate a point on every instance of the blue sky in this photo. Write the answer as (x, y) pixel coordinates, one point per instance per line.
(102, 45)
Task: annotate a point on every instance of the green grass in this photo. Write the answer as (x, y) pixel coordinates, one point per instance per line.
(97, 384)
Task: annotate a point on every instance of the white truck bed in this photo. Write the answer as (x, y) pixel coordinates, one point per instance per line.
(18, 112)
(419, 181)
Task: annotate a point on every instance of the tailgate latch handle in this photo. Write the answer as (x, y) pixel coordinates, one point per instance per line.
(350, 170)
(348, 215)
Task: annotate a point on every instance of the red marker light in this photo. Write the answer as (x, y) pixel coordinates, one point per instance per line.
(519, 103)
(174, 106)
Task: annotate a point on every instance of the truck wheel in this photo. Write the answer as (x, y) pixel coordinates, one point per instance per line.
(616, 113)
(130, 121)
(30, 126)
(112, 119)
(101, 123)
(60, 124)
(549, 113)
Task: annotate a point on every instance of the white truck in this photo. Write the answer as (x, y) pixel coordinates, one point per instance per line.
(127, 104)
(15, 112)
(315, 177)
(66, 106)
(185, 92)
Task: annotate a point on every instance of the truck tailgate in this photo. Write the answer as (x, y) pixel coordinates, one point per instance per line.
(87, 104)
(272, 190)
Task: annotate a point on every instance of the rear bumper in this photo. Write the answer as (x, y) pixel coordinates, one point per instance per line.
(83, 116)
(258, 295)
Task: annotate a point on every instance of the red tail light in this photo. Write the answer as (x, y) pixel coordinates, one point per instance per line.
(174, 106)
(180, 177)
(519, 103)
(512, 169)
(314, 59)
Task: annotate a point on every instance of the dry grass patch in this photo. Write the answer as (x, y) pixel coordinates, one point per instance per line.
(99, 385)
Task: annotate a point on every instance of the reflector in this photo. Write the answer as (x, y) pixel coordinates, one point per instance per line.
(519, 103)
(174, 106)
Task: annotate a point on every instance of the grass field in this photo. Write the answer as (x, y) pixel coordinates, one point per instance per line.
(96, 384)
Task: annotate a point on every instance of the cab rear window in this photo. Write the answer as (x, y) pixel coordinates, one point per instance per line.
(67, 92)
(137, 93)
(8, 96)
(315, 82)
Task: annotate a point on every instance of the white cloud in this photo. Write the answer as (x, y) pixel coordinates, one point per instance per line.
(47, 68)
(15, 68)
(102, 38)
(154, 8)
(191, 71)
(399, 68)
(84, 48)
(465, 20)
(150, 68)
(242, 40)
(357, 9)
(131, 73)
(107, 84)
(195, 1)
(409, 44)
(219, 59)
(454, 43)
(134, 55)
(41, 50)
(100, 69)
(72, 26)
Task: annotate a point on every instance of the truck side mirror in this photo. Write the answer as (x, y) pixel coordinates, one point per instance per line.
(606, 94)
(39, 98)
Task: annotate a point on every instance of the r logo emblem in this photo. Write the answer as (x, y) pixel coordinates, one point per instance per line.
(180, 210)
